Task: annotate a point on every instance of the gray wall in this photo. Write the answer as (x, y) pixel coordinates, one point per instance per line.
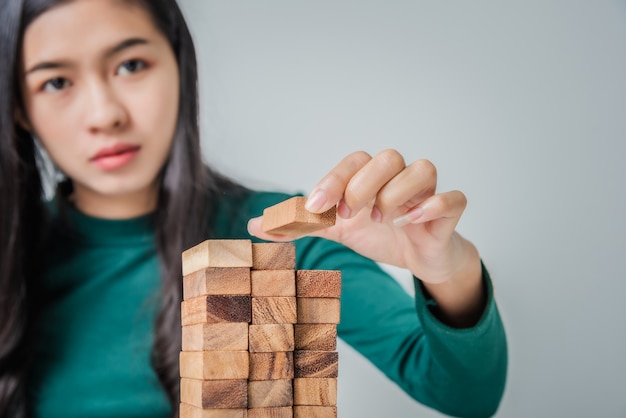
(522, 105)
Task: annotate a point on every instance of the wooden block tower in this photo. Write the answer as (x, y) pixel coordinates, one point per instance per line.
(259, 337)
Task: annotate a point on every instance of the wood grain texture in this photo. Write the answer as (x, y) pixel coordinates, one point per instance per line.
(190, 411)
(291, 218)
(211, 309)
(316, 337)
(271, 337)
(217, 253)
(321, 364)
(276, 412)
(269, 393)
(214, 365)
(271, 366)
(274, 310)
(318, 310)
(274, 256)
(221, 337)
(318, 283)
(216, 394)
(315, 391)
(273, 282)
(217, 281)
(307, 411)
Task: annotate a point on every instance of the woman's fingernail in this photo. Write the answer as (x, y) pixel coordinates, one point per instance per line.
(409, 217)
(254, 223)
(316, 200)
(343, 210)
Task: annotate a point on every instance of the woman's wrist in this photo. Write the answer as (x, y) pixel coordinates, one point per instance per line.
(460, 300)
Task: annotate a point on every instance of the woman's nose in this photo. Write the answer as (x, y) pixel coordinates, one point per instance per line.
(104, 111)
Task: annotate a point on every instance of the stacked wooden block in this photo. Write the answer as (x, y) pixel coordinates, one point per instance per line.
(259, 336)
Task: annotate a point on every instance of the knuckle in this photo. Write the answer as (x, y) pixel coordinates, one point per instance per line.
(334, 178)
(358, 159)
(392, 159)
(341, 174)
(426, 169)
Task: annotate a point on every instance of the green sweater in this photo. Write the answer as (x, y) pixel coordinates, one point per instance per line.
(101, 295)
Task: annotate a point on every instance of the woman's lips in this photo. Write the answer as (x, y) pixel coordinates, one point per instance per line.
(116, 156)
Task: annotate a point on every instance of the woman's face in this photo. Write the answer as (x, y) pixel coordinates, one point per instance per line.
(101, 91)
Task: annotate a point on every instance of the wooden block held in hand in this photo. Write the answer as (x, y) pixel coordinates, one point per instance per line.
(316, 337)
(190, 411)
(270, 337)
(275, 412)
(271, 366)
(268, 393)
(273, 282)
(318, 283)
(211, 309)
(217, 253)
(322, 364)
(274, 310)
(226, 336)
(214, 393)
(318, 310)
(291, 218)
(274, 256)
(302, 411)
(217, 281)
(214, 365)
(315, 391)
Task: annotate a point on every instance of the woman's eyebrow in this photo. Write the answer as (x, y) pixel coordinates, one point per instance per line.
(47, 65)
(127, 43)
(124, 45)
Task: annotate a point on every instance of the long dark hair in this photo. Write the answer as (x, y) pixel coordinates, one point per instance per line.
(187, 188)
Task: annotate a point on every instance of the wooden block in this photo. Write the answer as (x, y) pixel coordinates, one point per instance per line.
(307, 391)
(211, 309)
(224, 336)
(214, 365)
(190, 411)
(318, 310)
(322, 364)
(216, 394)
(291, 218)
(268, 393)
(271, 366)
(316, 337)
(270, 337)
(217, 281)
(307, 411)
(274, 310)
(217, 253)
(273, 282)
(318, 283)
(276, 412)
(274, 256)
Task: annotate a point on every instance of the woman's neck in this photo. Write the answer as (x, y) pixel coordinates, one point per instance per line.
(123, 206)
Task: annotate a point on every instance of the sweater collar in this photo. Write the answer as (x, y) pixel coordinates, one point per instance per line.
(84, 228)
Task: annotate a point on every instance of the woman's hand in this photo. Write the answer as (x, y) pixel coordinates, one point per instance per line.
(390, 212)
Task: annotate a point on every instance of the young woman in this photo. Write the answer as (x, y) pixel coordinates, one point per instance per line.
(90, 287)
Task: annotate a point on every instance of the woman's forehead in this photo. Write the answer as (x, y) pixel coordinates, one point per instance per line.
(84, 27)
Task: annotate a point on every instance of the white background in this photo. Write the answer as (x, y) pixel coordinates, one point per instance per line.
(522, 105)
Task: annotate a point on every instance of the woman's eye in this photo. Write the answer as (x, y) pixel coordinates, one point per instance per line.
(56, 84)
(130, 66)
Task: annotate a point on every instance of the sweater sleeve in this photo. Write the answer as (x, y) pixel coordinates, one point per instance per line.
(460, 372)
